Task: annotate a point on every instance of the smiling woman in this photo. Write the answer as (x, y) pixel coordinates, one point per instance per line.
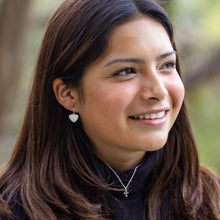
(127, 152)
(137, 72)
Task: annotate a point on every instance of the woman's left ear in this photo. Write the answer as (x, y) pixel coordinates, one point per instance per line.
(66, 96)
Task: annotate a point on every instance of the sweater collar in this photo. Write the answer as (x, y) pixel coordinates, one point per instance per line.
(140, 180)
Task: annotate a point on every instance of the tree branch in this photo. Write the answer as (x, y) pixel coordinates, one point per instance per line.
(203, 70)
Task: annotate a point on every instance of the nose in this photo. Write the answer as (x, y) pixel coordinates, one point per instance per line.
(153, 86)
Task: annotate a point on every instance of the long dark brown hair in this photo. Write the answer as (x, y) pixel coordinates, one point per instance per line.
(53, 166)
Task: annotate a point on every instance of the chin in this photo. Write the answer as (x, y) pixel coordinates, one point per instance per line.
(156, 145)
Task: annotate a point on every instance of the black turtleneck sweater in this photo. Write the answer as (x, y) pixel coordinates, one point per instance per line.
(131, 207)
(121, 207)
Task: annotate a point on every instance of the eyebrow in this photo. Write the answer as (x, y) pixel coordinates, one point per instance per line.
(137, 60)
(124, 60)
(163, 56)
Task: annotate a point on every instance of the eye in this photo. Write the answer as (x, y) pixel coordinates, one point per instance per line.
(125, 72)
(168, 66)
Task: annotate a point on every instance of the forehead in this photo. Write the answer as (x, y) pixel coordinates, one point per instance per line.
(140, 34)
(142, 38)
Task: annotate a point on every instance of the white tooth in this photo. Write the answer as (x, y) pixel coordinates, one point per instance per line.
(158, 115)
(161, 114)
(153, 116)
(147, 116)
(141, 117)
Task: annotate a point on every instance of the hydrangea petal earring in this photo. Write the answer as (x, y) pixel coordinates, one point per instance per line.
(74, 117)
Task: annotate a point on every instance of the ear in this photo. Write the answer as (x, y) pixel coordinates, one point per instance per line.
(66, 96)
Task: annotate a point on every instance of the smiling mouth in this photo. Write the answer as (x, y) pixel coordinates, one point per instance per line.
(150, 116)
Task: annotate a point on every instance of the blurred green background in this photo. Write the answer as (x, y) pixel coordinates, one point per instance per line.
(197, 34)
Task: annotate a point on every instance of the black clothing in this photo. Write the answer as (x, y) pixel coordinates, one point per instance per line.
(131, 207)
(121, 207)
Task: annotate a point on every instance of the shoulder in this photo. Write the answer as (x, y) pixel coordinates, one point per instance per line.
(209, 176)
(17, 211)
(210, 183)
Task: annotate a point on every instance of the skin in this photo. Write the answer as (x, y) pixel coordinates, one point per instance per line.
(135, 76)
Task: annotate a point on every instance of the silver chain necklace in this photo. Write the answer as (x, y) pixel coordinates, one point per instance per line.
(125, 187)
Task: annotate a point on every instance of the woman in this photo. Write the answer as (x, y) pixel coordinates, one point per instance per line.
(106, 134)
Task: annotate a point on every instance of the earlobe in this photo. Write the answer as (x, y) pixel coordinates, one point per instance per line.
(66, 96)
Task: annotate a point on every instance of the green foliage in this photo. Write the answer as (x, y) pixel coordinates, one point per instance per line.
(198, 34)
(199, 19)
(211, 22)
(204, 109)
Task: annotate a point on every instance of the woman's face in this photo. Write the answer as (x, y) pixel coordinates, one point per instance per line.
(132, 94)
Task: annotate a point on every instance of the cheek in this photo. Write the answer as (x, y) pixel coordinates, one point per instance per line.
(177, 92)
(113, 98)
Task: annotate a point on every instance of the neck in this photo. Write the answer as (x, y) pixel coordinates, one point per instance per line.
(122, 162)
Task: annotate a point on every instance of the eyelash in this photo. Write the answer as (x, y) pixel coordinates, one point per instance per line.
(127, 71)
(169, 65)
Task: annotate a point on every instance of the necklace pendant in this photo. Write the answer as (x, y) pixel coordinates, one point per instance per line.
(126, 193)
(125, 187)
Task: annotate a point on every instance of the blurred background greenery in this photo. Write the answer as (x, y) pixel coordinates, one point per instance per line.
(197, 33)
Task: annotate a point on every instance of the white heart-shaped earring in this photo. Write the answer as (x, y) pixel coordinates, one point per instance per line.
(74, 117)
